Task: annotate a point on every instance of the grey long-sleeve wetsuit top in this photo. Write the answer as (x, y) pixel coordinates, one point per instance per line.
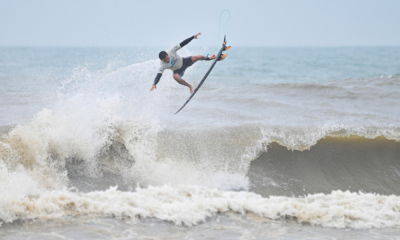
(175, 61)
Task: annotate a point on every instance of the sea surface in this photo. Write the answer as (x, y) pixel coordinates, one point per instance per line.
(279, 143)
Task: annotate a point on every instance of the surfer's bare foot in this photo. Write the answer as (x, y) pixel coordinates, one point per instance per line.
(212, 57)
(191, 89)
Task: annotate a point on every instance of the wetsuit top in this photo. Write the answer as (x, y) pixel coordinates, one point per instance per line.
(175, 61)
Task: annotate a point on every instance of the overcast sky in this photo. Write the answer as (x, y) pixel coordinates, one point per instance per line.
(164, 23)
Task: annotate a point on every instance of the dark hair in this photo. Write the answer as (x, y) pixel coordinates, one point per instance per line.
(162, 55)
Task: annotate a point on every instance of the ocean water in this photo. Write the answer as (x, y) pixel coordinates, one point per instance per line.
(279, 143)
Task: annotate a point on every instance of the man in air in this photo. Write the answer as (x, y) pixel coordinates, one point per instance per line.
(172, 61)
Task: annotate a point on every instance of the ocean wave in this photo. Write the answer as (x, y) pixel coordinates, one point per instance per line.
(193, 205)
(53, 146)
(334, 163)
(340, 84)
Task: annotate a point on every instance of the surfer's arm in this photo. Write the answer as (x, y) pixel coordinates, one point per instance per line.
(156, 80)
(186, 41)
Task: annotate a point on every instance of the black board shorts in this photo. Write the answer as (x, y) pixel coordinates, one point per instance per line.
(187, 62)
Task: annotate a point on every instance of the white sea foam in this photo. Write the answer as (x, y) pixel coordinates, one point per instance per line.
(18, 182)
(193, 205)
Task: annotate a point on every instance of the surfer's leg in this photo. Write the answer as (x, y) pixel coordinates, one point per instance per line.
(201, 58)
(198, 57)
(178, 78)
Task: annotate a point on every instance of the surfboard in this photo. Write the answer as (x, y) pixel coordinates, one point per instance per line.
(218, 57)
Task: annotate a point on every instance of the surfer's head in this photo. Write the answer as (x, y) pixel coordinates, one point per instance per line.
(164, 56)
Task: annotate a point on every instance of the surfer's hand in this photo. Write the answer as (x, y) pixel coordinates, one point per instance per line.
(212, 57)
(153, 87)
(195, 36)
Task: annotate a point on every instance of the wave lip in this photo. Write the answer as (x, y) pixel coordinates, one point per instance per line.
(193, 205)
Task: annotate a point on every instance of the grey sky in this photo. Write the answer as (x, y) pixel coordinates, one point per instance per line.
(163, 23)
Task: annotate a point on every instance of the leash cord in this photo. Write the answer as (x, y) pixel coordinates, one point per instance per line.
(219, 29)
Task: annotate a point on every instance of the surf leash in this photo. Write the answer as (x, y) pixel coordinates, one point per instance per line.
(223, 29)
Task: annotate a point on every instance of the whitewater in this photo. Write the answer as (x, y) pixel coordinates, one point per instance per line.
(285, 143)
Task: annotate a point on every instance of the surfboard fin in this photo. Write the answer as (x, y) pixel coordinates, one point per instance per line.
(223, 57)
(227, 48)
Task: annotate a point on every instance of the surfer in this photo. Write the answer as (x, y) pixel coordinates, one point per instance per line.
(177, 64)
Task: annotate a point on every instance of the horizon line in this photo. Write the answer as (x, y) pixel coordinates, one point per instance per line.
(147, 46)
